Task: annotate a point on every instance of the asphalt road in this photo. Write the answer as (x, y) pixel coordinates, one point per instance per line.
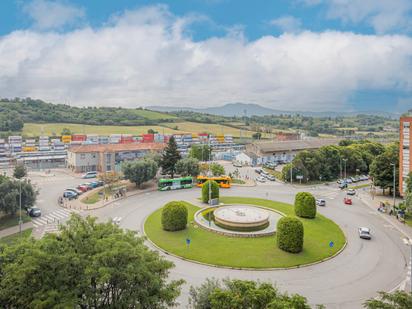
(345, 281)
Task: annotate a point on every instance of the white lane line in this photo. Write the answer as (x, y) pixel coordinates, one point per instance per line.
(62, 212)
(57, 216)
(35, 224)
(40, 221)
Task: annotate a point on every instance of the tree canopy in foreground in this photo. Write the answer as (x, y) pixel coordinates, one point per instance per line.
(87, 265)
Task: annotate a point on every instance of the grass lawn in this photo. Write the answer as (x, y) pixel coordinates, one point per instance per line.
(91, 199)
(36, 129)
(238, 181)
(365, 185)
(212, 248)
(9, 220)
(8, 240)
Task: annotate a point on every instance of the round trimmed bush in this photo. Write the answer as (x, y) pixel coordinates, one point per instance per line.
(305, 205)
(205, 190)
(174, 216)
(289, 234)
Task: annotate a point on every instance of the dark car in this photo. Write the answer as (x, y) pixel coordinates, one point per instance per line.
(70, 195)
(34, 212)
(343, 185)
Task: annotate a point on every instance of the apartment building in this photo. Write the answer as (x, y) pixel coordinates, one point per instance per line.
(404, 152)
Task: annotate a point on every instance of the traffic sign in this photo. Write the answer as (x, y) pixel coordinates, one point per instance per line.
(300, 177)
(188, 241)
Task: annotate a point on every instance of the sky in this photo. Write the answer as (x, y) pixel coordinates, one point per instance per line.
(299, 55)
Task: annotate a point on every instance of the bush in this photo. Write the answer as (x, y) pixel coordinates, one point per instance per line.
(305, 205)
(289, 234)
(174, 216)
(205, 190)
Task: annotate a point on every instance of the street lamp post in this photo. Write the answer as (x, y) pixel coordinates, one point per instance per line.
(408, 242)
(20, 220)
(394, 183)
(344, 161)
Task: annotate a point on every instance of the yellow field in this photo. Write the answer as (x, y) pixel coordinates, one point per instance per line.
(195, 127)
(37, 129)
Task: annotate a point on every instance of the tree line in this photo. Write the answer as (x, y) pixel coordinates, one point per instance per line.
(356, 157)
(30, 110)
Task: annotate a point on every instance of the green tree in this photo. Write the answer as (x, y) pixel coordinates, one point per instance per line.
(20, 171)
(66, 131)
(174, 216)
(170, 157)
(217, 169)
(409, 183)
(289, 234)
(242, 294)
(381, 168)
(151, 131)
(214, 188)
(188, 167)
(88, 265)
(305, 205)
(257, 135)
(140, 171)
(10, 195)
(201, 152)
(395, 300)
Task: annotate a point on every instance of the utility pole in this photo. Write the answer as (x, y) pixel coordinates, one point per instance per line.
(344, 160)
(394, 183)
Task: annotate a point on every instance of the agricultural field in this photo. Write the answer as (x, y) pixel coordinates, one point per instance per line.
(37, 129)
(195, 127)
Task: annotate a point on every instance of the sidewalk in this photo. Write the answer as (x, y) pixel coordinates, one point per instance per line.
(78, 205)
(15, 229)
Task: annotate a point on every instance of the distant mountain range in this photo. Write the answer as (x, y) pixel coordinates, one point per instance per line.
(249, 109)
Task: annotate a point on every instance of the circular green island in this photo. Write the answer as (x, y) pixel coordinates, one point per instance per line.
(262, 252)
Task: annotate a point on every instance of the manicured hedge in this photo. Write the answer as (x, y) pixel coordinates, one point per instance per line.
(174, 216)
(289, 234)
(205, 190)
(305, 205)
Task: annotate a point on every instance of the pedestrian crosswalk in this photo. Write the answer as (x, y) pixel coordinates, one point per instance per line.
(56, 216)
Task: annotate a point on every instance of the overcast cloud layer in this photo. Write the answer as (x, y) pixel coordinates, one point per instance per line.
(145, 57)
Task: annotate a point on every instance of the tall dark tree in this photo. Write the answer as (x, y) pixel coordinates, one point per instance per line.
(10, 195)
(170, 157)
(382, 168)
(140, 171)
(20, 171)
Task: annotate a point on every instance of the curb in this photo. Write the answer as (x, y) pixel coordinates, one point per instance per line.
(237, 268)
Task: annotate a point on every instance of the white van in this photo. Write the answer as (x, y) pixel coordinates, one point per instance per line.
(90, 175)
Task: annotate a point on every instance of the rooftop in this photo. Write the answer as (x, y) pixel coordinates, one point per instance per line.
(274, 146)
(116, 147)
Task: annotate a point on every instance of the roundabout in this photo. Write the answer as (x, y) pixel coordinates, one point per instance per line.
(210, 245)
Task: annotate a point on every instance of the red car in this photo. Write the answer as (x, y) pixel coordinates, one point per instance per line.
(83, 188)
(347, 201)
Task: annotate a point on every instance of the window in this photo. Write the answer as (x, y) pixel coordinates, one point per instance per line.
(108, 168)
(82, 156)
(406, 124)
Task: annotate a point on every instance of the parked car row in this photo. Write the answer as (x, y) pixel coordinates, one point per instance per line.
(353, 179)
(264, 175)
(270, 165)
(73, 193)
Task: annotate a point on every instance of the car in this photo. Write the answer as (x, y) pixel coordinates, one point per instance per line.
(271, 177)
(347, 201)
(364, 233)
(258, 170)
(77, 191)
(348, 180)
(83, 188)
(340, 181)
(34, 212)
(320, 202)
(88, 185)
(351, 192)
(270, 165)
(70, 195)
(264, 173)
(237, 164)
(90, 175)
(261, 179)
(343, 185)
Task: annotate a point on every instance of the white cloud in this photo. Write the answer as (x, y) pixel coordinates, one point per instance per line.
(143, 58)
(47, 14)
(385, 16)
(287, 23)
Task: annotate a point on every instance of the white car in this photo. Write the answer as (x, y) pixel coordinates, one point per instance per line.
(320, 202)
(364, 233)
(260, 179)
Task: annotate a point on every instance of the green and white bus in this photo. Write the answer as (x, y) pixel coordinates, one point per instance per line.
(175, 183)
